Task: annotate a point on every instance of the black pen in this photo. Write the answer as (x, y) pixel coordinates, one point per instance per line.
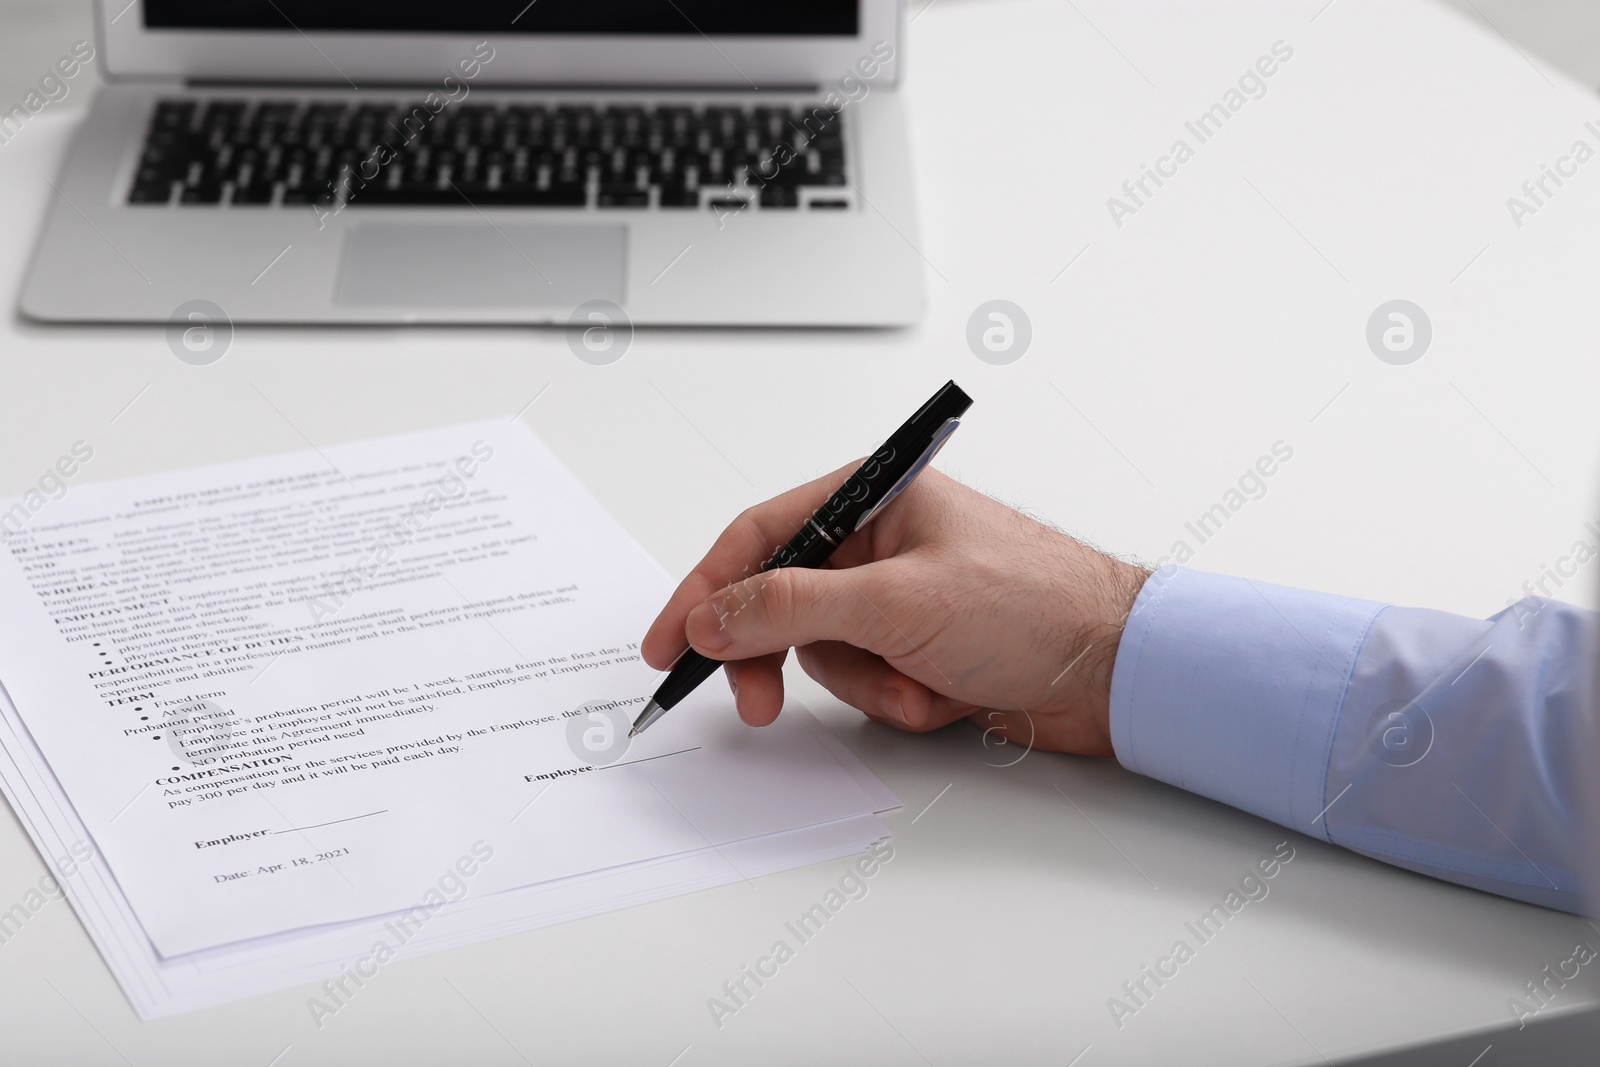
(865, 493)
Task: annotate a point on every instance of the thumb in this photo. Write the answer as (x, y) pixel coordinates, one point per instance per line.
(788, 607)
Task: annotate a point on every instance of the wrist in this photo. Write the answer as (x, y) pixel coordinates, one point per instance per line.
(1123, 584)
(1098, 593)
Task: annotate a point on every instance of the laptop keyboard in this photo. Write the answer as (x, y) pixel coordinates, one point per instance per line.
(358, 153)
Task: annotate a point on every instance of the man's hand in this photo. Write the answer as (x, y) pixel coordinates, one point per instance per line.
(949, 605)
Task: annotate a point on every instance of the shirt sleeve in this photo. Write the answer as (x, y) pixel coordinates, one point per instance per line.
(1451, 746)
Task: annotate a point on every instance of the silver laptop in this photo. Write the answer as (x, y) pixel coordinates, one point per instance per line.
(688, 162)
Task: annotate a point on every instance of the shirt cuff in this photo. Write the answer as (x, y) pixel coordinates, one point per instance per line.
(1231, 688)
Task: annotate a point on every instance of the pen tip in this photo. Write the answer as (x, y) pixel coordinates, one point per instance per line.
(652, 711)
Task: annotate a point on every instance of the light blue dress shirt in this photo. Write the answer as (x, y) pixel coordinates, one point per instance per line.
(1457, 747)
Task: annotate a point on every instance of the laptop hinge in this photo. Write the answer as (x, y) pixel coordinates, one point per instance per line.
(231, 84)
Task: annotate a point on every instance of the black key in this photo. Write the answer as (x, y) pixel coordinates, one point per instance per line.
(779, 196)
(476, 196)
(470, 192)
(529, 195)
(258, 193)
(554, 196)
(815, 172)
(326, 112)
(171, 158)
(791, 175)
(319, 175)
(624, 196)
(173, 115)
(830, 204)
(411, 195)
(678, 196)
(275, 113)
(712, 170)
(158, 175)
(155, 192)
(206, 192)
(224, 113)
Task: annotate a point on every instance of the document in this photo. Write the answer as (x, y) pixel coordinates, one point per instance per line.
(289, 692)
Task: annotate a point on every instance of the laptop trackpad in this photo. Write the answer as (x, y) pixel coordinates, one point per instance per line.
(478, 264)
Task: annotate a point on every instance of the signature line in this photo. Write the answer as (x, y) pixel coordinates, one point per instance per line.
(647, 759)
(336, 822)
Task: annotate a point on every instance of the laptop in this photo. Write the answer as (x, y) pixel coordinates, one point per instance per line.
(691, 162)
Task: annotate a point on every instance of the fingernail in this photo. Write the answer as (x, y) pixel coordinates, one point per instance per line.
(893, 706)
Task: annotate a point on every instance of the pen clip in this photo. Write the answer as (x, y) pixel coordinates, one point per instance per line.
(940, 436)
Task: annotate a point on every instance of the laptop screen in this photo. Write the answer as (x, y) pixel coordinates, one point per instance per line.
(691, 17)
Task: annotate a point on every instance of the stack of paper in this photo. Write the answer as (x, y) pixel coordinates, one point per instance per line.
(290, 718)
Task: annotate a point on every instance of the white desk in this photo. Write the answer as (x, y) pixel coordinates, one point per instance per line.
(1228, 314)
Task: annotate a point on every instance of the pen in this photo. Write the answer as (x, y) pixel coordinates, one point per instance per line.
(857, 502)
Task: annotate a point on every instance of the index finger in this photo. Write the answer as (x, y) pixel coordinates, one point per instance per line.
(749, 541)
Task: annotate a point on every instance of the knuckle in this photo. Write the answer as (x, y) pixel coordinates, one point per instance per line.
(741, 540)
(777, 595)
(746, 523)
(744, 606)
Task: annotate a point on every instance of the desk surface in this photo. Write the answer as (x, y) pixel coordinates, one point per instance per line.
(1228, 313)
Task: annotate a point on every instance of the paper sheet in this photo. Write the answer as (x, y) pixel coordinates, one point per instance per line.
(290, 692)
